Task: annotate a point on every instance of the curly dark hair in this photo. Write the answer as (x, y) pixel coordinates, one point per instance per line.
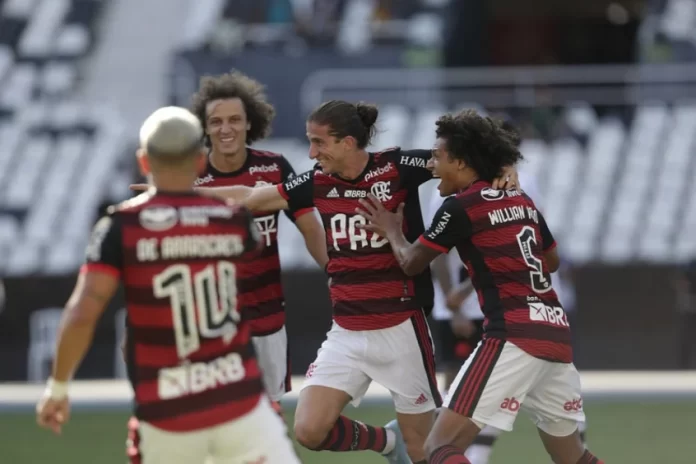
(481, 142)
(259, 111)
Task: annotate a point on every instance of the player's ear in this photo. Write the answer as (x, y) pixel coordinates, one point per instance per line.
(143, 162)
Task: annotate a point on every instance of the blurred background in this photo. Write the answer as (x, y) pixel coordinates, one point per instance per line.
(603, 92)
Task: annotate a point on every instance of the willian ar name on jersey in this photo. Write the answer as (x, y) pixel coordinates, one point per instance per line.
(513, 213)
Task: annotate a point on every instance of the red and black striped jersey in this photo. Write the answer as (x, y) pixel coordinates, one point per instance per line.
(368, 288)
(501, 238)
(261, 292)
(189, 356)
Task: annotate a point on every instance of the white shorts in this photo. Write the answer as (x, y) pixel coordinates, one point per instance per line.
(499, 379)
(235, 442)
(272, 356)
(400, 358)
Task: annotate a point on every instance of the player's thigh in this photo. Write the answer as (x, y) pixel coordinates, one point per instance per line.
(493, 383)
(158, 446)
(402, 360)
(272, 355)
(258, 437)
(339, 365)
(555, 403)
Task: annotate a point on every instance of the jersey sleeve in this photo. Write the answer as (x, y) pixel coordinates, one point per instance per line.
(547, 240)
(412, 165)
(299, 192)
(104, 251)
(450, 225)
(287, 173)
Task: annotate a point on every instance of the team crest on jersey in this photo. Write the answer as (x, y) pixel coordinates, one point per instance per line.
(382, 191)
(158, 218)
(490, 194)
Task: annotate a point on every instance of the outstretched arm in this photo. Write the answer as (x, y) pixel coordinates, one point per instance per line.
(266, 198)
(412, 257)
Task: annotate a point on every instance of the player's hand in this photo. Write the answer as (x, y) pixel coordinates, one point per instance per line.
(454, 300)
(380, 220)
(462, 326)
(508, 180)
(139, 187)
(52, 413)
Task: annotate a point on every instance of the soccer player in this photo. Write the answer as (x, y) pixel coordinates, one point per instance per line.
(379, 331)
(525, 358)
(198, 388)
(234, 113)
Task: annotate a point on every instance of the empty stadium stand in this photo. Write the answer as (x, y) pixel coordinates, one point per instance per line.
(57, 157)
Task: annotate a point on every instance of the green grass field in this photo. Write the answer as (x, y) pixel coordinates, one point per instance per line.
(620, 433)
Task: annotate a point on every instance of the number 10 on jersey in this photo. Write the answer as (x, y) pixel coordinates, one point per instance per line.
(203, 304)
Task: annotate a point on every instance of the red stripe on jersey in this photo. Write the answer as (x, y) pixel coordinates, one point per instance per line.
(267, 325)
(374, 261)
(100, 268)
(259, 265)
(302, 212)
(432, 245)
(355, 292)
(165, 354)
(208, 417)
(543, 349)
(550, 247)
(281, 190)
(373, 321)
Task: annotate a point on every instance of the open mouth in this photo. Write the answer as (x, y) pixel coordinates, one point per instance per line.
(227, 139)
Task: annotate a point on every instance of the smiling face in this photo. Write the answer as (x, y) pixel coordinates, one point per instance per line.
(326, 149)
(227, 126)
(448, 169)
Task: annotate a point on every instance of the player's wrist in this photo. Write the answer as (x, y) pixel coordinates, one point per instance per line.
(55, 389)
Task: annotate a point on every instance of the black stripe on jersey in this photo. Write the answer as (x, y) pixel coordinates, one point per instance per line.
(378, 305)
(367, 276)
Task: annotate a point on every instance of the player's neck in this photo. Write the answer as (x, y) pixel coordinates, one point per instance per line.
(355, 165)
(228, 163)
(174, 182)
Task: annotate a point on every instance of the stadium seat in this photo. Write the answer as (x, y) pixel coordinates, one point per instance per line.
(47, 140)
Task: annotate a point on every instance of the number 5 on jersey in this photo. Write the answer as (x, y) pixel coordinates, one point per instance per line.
(203, 304)
(526, 239)
(343, 227)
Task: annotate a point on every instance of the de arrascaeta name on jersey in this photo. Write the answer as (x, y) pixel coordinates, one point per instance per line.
(181, 246)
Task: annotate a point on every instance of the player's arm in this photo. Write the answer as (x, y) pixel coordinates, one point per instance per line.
(306, 222)
(413, 257)
(265, 198)
(96, 285)
(553, 261)
(458, 294)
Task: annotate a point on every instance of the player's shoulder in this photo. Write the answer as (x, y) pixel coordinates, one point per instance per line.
(265, 154)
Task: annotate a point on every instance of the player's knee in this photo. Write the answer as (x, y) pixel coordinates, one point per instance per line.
(310, 434)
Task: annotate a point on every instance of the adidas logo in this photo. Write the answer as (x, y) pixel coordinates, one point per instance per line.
(333, 193)
(421, 399)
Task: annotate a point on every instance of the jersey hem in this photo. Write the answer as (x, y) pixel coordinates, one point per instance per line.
(432, 245)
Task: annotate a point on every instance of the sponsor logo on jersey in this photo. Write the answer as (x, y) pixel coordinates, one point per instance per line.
(333, 193)
(158, 218)
(355, 194)
(440, 226)
(297, 181)
(204, 180)
(378, 172)
(266, 168)
(413, 161)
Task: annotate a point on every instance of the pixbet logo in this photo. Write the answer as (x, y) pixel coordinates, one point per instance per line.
(573, 405)
(378, 172)
(263, 169)
(510, 404)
